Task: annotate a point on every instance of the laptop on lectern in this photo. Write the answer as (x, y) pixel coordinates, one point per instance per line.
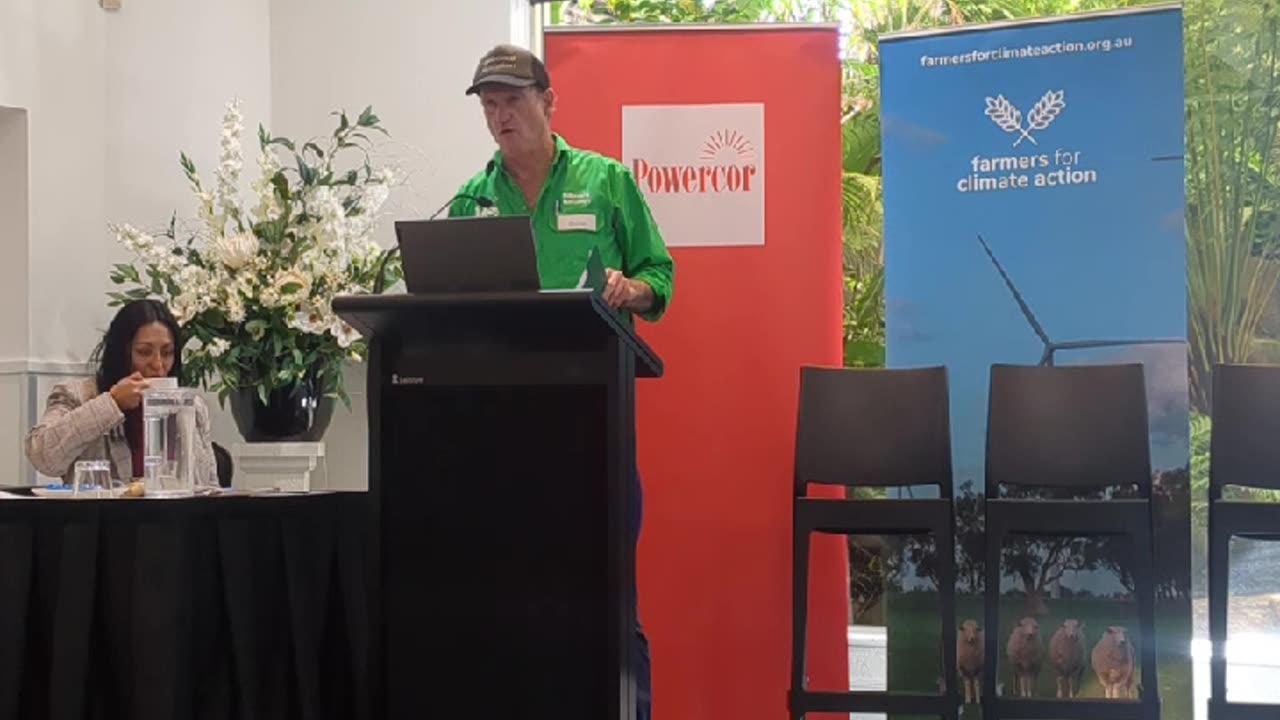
(468, 255)
(478, 254)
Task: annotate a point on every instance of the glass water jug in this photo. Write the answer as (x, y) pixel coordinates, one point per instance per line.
(169, 424)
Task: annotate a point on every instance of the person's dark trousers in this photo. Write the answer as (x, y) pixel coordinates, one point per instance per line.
(640, 643)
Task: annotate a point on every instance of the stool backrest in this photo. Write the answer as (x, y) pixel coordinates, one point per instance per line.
(1244, 449)
(1080, 427)
(873, 428)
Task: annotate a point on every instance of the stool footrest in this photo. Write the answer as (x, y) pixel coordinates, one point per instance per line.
(1225, 710)
(1027, 709)
(902, 703)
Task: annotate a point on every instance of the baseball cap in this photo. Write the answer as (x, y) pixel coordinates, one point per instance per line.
(510, 65)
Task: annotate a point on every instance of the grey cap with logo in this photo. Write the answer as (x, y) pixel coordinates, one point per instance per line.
(512, 66)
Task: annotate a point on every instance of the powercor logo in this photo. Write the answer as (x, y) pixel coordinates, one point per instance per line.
(701, 169)
(726, 163)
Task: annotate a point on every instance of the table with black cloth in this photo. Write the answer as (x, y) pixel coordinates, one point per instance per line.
(217, 607)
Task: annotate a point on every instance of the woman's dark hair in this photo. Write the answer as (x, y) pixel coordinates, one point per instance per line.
(115, 353)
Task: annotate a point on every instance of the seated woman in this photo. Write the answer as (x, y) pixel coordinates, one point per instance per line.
(100, 418)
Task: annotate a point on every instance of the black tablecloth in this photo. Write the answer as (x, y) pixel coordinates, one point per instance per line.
(231, 607)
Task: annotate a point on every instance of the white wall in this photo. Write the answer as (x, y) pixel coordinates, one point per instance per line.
(12, 419)
(110, 99)
(171, 67)
(14, 241)
(52, 54)
(412, 60)
(14, 315)
(16, 51)
(113, 96)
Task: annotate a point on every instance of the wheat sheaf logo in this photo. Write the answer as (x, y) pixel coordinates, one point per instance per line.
(1009, 118)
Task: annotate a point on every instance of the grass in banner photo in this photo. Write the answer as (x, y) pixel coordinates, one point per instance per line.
(915, 652)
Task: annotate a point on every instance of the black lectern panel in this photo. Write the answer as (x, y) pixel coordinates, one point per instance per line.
(501, 439)
(504, 585)
(568, 320)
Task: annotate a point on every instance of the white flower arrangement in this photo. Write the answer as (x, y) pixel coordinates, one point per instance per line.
(253, 290)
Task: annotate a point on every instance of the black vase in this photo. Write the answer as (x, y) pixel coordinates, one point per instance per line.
(300, 413)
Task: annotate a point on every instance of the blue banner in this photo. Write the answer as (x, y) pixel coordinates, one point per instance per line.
(1033, 199)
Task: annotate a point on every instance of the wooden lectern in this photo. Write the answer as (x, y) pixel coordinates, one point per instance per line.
(501, 438)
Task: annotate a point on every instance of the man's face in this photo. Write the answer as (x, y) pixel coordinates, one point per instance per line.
(519, 119)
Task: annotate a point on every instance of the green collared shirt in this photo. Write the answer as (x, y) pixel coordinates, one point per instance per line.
(588, 201)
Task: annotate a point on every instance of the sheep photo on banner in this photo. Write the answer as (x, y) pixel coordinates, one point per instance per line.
(1034, 206)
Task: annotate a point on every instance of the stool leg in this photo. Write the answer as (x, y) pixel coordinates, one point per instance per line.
(991, 614)
(1219, 578)
(947, 601)
(1144, 588)
(799, 613)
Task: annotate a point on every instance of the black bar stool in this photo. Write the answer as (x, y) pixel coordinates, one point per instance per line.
(1069, 428)
(1244, 451)
(873, 428)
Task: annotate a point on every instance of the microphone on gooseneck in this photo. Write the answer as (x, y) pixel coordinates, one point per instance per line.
(380, 279)
(483, 202)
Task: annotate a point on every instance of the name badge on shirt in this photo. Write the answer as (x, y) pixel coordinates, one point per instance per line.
(583, 221)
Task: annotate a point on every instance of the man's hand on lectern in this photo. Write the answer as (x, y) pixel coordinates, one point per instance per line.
(625, 293)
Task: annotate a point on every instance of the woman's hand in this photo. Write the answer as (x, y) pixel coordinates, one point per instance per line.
(128, 392)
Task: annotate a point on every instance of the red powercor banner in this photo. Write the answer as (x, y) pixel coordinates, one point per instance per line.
(734, 137)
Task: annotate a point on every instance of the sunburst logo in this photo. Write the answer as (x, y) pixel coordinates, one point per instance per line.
(727, 145)
(725, 163)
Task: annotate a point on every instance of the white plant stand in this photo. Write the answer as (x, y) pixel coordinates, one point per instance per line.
(288, 466)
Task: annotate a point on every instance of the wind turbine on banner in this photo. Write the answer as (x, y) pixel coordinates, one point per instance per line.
(1051, 347)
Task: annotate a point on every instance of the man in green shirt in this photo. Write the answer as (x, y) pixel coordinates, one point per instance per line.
(579, 201)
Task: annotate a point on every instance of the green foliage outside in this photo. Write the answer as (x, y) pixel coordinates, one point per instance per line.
(863, 21)
(1233, 214)
(1233, 185)
(1201, 434)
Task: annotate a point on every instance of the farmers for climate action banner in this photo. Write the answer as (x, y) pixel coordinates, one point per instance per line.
(1034, 215)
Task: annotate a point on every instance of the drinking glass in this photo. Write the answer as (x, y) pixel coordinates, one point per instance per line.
(92, 479)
